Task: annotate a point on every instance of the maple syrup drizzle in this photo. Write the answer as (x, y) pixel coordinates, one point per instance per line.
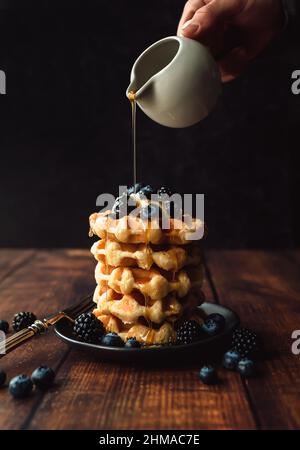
(131, 97)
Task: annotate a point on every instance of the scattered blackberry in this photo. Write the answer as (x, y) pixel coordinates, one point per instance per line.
(189, 331)
(20, 386)
(23, 320)
(88, 328)
(43, 377)
(4, 326)
(132, 343)
(208, 375)
(231, 359)
(164, 191)
(112, 340)
(2, 377)
(246, 367)
(245, 342)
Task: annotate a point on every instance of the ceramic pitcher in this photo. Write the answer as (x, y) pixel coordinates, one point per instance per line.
(176, 82)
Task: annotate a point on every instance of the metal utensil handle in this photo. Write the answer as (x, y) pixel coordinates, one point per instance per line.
(14, 341)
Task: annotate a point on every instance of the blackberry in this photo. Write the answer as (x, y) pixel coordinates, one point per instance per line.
(245, 342)
(4, 326)
(188, 332)
(43, 377)
(88, 328)
(164, 191)
(23, 320)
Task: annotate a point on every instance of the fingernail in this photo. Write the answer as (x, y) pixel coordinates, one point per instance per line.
(193, 27)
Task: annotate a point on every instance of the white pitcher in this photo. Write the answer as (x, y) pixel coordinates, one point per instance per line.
(176, 82)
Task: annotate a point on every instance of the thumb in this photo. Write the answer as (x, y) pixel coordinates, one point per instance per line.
(206, 18)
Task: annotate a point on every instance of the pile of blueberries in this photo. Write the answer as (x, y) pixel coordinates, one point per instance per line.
(125, 204)
(22, 385)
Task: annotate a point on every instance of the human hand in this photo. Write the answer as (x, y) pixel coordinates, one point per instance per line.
(236, 31)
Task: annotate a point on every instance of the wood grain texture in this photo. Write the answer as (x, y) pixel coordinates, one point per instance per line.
(48, 281)
(264, 288)
(95, 395)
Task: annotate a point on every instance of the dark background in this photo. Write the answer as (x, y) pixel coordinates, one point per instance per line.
(65, 134)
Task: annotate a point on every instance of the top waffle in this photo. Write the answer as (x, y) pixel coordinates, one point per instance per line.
(134, 230)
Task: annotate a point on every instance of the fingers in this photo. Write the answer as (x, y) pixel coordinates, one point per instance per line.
(234, 63)
(209, 15)
(189, 10)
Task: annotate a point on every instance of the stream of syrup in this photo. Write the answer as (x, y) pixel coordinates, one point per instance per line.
(131, 97)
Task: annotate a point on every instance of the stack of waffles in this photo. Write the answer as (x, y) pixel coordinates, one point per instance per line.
(148, 278)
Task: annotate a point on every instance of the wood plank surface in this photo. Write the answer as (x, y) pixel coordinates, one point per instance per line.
(49, 281)
(264, 288)
(97, 395)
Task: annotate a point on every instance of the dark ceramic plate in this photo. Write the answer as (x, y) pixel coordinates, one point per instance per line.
(205, 349)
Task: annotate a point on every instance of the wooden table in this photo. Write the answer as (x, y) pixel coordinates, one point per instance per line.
(263, 287)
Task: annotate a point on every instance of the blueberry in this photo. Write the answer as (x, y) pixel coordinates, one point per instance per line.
(4, 326)
(2, 377)
(149, 212)
(43, 377)
(135, 188)
(211, 327)
(208, 375)
(231, 359)
(217, 318)
(147, 191)
(20, 386)
(246, 367)
(132, 343)
(164, 191)
(112, 340)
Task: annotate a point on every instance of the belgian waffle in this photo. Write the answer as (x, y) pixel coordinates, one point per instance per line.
(130, 308)
(169, 258)
(145, 334)
(154, 283)
(134, 230)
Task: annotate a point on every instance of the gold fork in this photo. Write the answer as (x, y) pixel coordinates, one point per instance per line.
(40, 326)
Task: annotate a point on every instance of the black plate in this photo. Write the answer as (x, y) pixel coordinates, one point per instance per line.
(202, 350)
